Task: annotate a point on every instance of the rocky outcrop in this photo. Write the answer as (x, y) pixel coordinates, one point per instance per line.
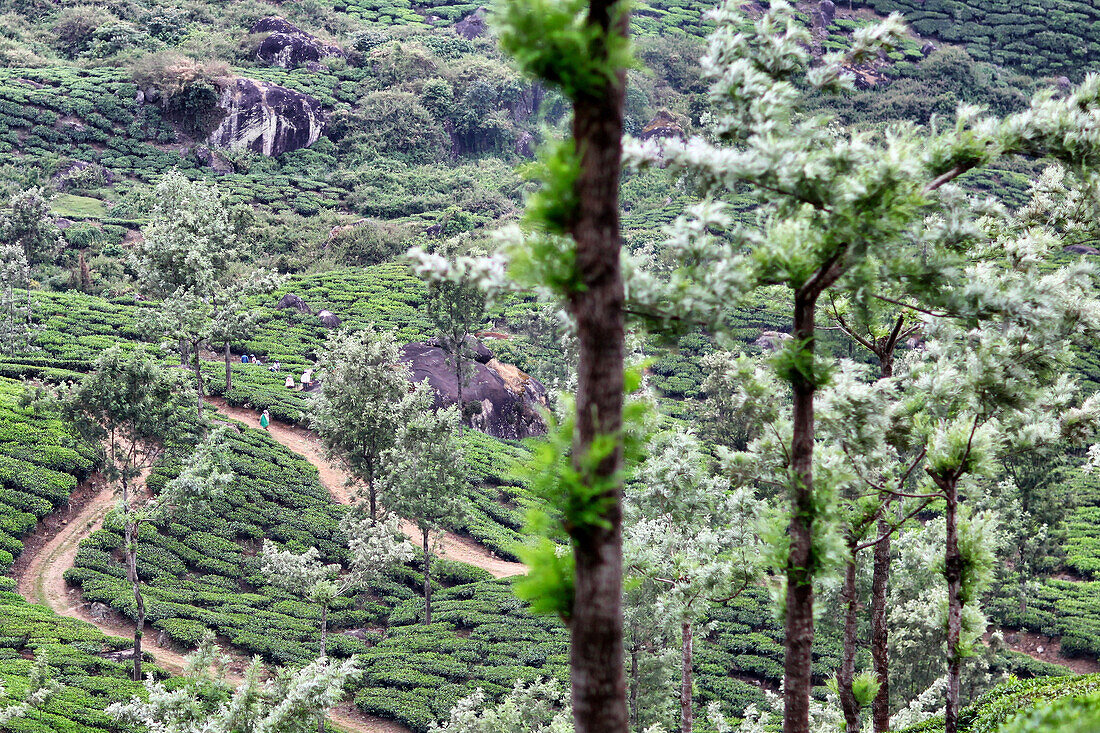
(663, 124)
(288, 46)
(266, 118)
(329, 319)
(770, 340)
(290, 300)
(1081, 249)
(473, 25)
(500, 400)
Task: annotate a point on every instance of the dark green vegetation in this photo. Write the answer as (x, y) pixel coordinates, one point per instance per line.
(75, 652)
(1012, 701)
(1040, 37)
(40, 464)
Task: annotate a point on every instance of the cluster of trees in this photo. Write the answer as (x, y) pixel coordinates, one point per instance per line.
(871, 225)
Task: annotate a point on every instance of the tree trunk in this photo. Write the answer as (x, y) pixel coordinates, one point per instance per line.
(324, 638)
(185, 353)
(880, 584)
(597, 675)
(880, 648)
(427, 580)
(686, 716)
(198, 378)
(952, 572)
(130, 532)
(799, 627)
(633, 706)
(845, 676)
(228, 370)
(372, 497)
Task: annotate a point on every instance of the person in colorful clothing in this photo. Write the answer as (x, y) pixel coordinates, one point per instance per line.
(265, 420)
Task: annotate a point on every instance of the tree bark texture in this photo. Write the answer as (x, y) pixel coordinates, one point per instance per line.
(686, 716)
(880, 635)
(799, 627)
(427, 580)
(228, 370)
(596, 652)
(198, 377)
(845, 676)
(130, 532)
(952, 571)
(880, 586)
(633, 707)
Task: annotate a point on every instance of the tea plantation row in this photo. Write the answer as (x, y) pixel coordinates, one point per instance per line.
(74, 651)
(40, 463)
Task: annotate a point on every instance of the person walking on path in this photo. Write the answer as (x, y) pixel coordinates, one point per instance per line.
(265, 420)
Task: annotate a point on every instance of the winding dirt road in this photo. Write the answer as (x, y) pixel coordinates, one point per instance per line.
(42, 580)
(41, 577)
(305, 444)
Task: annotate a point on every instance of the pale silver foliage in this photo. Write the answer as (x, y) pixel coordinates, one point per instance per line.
(287, 702)
(40, 688)
(537, 707)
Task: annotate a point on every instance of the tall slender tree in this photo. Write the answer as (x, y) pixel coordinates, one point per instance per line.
(694, 537)
(573, 250)
(428, 473)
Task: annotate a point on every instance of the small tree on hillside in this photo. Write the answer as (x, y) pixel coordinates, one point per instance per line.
(457, 309)
(373, 548)
(189, 260)
(40, 689)
(233, 319)
(359, 410)
(287, 702)
(427, 476)
(694, 537)
(14, 271)
(129, 405)
(29, 225)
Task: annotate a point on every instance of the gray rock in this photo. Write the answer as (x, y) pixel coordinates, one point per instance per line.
(473, 25)
(123, 655)
(1064, 83)
(927, 49)
(266, 118)
(828, 11)
(500, 400)
(1081, 249)
(288, 46)
(290, 300)
(474, 349)
(770, 340)
(663, 125)
(139, 98)
(99, 612)
(329, 319)
(525, 145)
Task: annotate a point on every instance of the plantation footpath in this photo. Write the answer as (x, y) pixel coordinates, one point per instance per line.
(454, 547)
(42, 581)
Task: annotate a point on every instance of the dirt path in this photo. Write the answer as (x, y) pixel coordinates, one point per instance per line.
(1046, 649)
(41, 579)
(305, 444)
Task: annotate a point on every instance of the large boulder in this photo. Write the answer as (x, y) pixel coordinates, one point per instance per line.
(288, 46)
(473, 25)
(663, 125)
(329, 319)
(500, 400)
(266, 118)
(290, 300)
